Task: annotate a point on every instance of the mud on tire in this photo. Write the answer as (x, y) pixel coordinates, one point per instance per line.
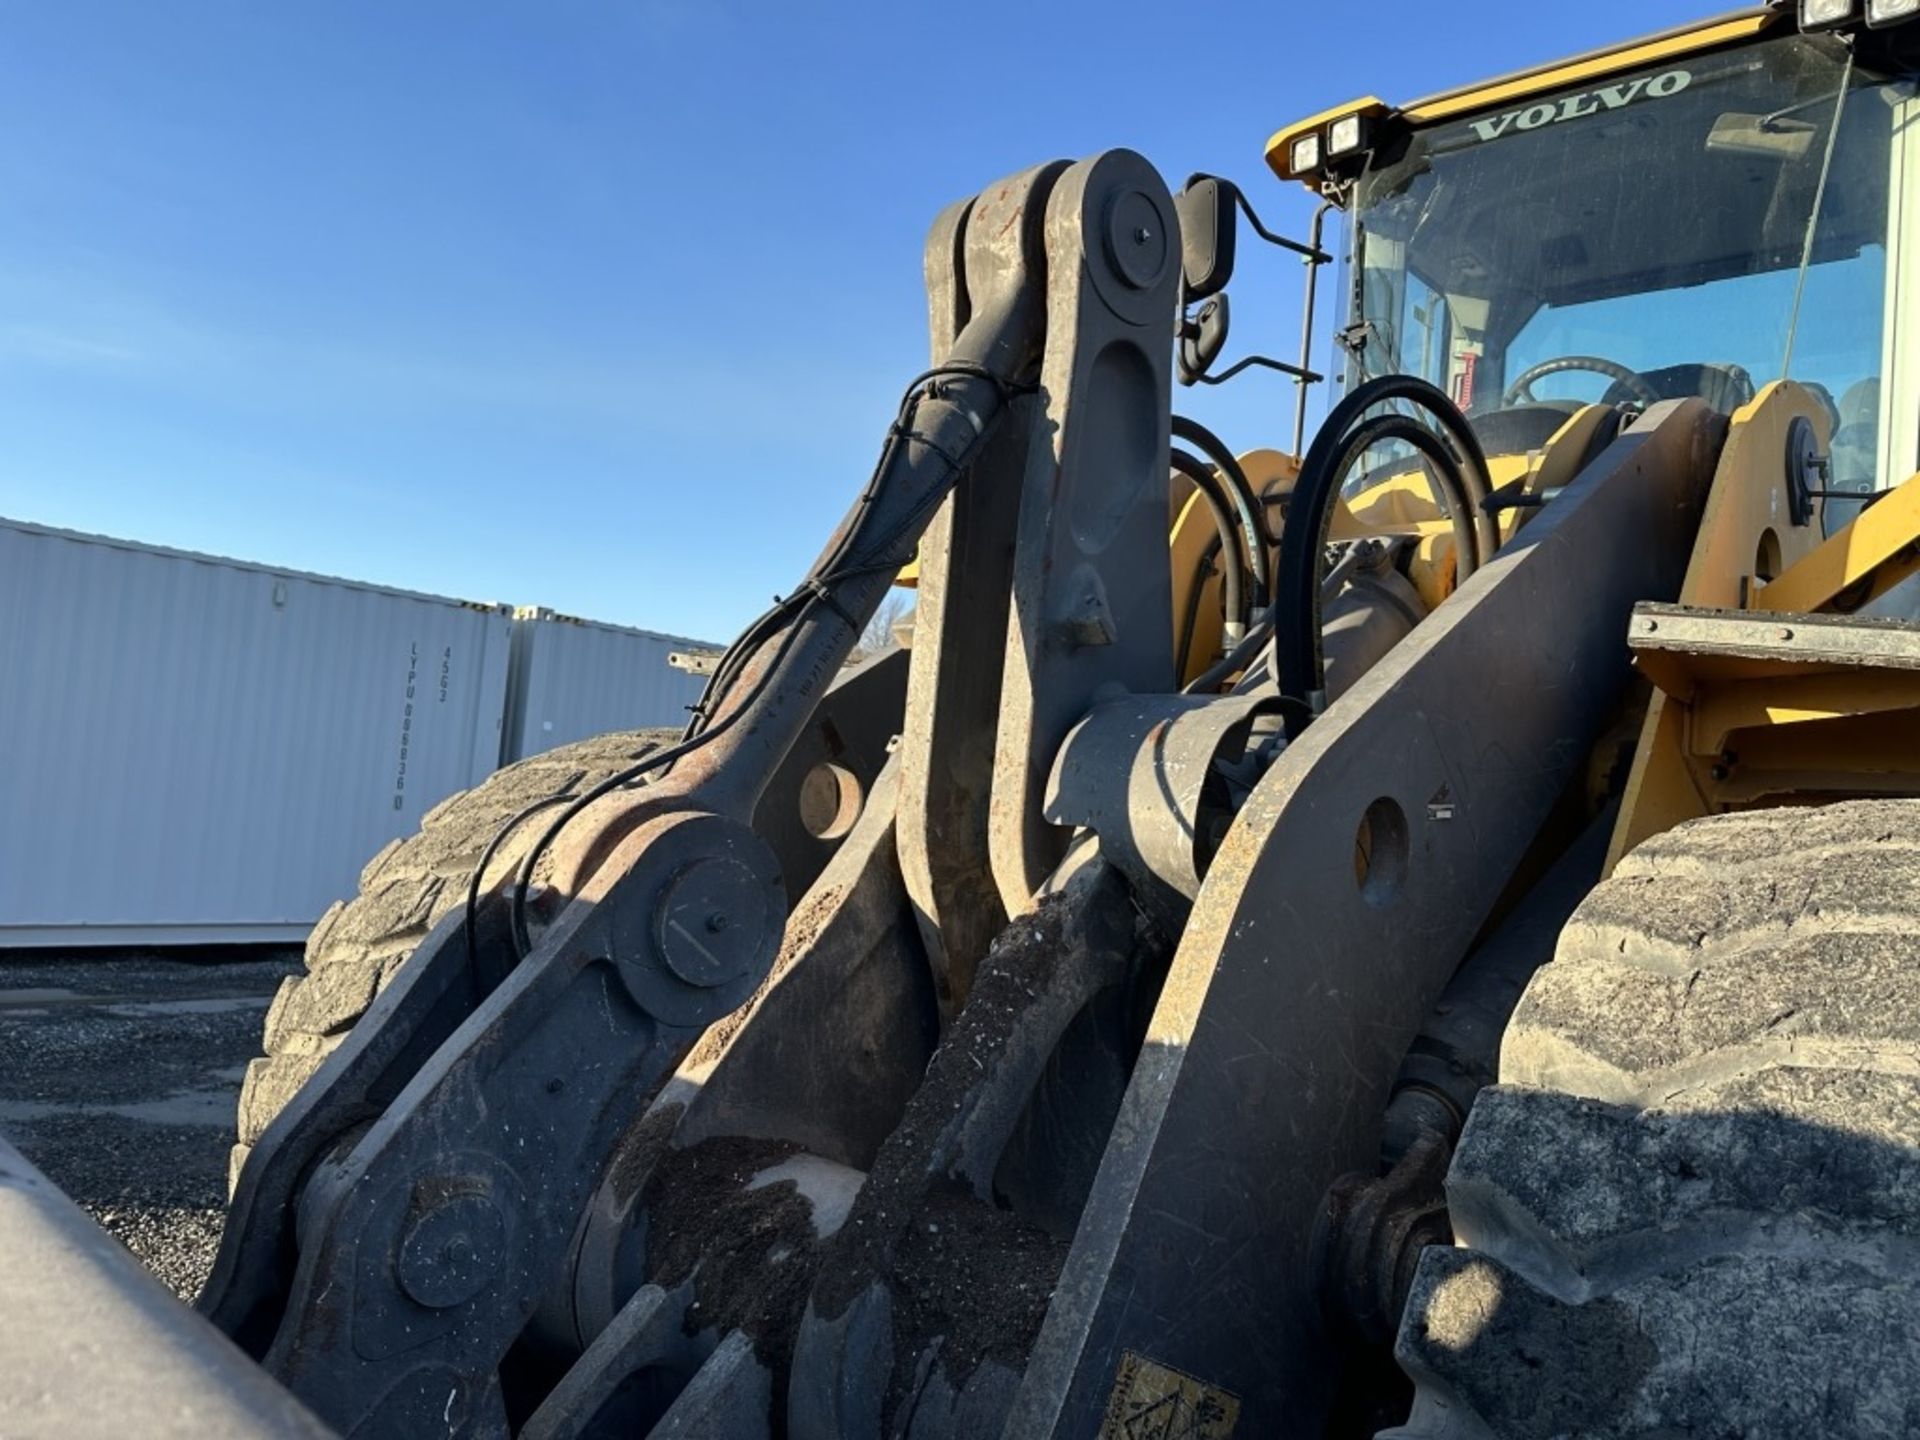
(1691, 1206)
(404, 890)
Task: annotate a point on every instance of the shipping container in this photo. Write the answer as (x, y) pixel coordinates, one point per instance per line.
(197, 750)
(574, 678)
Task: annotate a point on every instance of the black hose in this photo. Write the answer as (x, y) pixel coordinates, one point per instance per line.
(852, 553)
(475, 879)
(1444, 473)
(523, 877)
(1237, 603)
(1234, 661)
(1302, 656)
(1259, 540)
(1191, 618)
(1341, 441)
(1451, 422)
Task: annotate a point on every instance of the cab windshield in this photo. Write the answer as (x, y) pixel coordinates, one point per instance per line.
(1697, 230)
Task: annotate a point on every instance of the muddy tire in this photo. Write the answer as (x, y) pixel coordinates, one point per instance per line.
(1692, 1205)
(359, 944)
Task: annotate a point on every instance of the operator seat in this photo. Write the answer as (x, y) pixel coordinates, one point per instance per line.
(1725, 387)
(1526, 428)
(1521, 428)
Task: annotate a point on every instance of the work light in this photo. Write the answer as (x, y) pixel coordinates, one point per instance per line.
(1349, 133)
(1819, 14)
(1306, 154)
(1886, 12)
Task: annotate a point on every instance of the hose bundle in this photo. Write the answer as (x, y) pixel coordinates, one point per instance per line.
(1456, 466)
(856, 551)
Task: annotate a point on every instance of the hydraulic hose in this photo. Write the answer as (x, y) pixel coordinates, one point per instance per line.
(1448, 420)
(1252, 516)
(1344, 438)
(1234, 661)
(1201, 570)
(1213, 491)
(945, 416)
(1302, 659)
(1243, 654)
(1443, 470)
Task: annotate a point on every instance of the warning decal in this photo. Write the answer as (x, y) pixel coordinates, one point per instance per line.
(1152, 1402)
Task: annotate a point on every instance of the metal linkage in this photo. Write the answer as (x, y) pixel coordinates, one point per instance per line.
(1140, 772)
(953, 687)
(1343, 898)
(440, 986)
(1372, 1232)
(929, 1298)
(1092, 581)
(823, 1060)
(425, 1248)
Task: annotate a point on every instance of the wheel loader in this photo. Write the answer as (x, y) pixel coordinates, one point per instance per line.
(1411, 931)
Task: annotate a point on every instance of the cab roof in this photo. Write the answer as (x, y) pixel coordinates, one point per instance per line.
(1689, 39)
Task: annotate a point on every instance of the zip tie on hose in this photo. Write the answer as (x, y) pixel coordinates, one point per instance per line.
(825, 595)
(1007, 390)
(914, 437)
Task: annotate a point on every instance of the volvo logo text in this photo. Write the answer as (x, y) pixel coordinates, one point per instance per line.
(1593, 102)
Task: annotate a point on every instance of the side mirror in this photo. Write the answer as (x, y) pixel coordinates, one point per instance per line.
(1207, 209)
(1203, 335)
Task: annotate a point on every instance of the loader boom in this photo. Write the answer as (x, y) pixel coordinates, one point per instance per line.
(1279, 867)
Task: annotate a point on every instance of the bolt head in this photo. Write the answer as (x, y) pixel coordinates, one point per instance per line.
(712, 918)
(1136, 246)
(451, 1250)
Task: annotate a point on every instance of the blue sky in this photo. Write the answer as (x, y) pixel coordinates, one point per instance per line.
(596, 305)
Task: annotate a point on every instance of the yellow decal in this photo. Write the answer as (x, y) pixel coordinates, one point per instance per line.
(1150, 1401)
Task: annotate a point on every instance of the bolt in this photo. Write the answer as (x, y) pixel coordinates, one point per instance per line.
(1142, 235)
(717, 922)
(451, 1250)
(1719, 772)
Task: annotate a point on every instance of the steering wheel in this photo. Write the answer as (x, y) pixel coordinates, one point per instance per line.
(1521, 391)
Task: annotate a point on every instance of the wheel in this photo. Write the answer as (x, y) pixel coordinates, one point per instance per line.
(359, 944)
(1692, 1205)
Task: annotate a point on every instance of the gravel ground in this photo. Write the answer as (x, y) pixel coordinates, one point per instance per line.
(118, 1077)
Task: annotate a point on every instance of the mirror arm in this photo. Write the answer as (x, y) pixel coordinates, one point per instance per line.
(1311, 251)
(1304, 376)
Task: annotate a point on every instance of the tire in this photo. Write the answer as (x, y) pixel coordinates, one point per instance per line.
(359, 944)
(1692, 1205)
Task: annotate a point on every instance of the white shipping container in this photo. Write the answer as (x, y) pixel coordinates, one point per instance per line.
(195, 749)
(575, 678)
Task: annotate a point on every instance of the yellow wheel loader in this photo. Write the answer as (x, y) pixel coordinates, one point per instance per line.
(1411, 930)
